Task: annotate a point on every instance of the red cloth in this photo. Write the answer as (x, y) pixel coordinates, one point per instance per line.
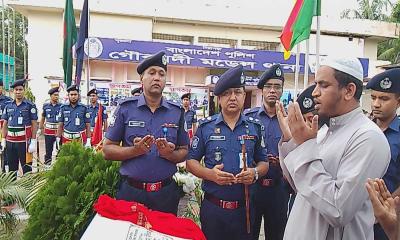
(97, 134)
(139, 214)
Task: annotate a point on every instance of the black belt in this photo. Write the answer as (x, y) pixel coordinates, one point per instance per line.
(148, 187)
(223, 203)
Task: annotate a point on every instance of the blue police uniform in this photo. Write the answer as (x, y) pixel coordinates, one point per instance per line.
(19, 123)
(271, 193)
(94, 110)
(74, 119)
(4, 100)
(223, 211)
(50, 114)
(388, 81)
(148, 178)
(190, 118)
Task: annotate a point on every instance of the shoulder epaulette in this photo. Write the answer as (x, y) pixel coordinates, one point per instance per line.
(128, 99)
(173, 103)
(256, 121)
(207, 120)
(251, 110)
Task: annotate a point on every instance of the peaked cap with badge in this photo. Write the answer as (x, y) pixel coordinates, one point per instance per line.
(159, 59)
(230, 79)
(275, 72)
(306, 100)
(387, 81)
(73, 88)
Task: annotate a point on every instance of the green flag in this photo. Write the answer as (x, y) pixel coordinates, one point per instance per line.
(70, 37)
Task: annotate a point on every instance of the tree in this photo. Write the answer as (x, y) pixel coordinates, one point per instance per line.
(389, 50)
(20, 30)
(370, 9)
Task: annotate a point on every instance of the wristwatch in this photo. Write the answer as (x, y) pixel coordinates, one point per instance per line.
(255, 174)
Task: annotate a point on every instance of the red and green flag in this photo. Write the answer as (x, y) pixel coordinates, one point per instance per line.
(298, 25)
(70, 36)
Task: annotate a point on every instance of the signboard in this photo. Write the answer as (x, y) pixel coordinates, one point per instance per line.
(198, 56)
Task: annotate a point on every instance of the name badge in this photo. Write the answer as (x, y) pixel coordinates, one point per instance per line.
(136, 124)
(217, 138)
(77, 122)
(248, 137)
(20, 119)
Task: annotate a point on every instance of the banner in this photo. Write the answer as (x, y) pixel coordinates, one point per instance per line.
(196, 56)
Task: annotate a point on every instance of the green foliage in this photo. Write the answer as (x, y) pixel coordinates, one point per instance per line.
(369, 9)
(389, 50)
(16, 191)
(29, 95)
(63, 207)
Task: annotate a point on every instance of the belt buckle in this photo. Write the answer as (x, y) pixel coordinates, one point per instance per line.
(267, 182)
(152, 187)
(228, 205)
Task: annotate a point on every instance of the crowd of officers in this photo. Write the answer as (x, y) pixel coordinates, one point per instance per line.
(150, 135)
(59, 123)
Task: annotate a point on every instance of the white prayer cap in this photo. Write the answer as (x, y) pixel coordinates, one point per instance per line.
(349, 65)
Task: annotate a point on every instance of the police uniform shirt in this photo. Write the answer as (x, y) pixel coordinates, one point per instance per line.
(392, 175)
(190, 118)
(51, 112)
(272, 135)
(74, 118)
(4, 100)
(21, 115)
(219, 144)
(133, 118)
(93, 110)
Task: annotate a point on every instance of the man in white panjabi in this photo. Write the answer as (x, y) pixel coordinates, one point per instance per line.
(329, 167)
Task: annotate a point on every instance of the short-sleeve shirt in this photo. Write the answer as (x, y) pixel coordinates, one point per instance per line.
(74, 117)
(20, 115)
(51, 112)
(93, 110)
(133, 118)
(218, 144)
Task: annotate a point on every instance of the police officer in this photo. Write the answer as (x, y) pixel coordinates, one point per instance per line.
(93, 109)
(4, 100)
(49, 123)
(74, 119)
(190, 115)
(219, 140)
(270, 192)
(137, 91)
(153, 138)
(19, 127)
(385, 100)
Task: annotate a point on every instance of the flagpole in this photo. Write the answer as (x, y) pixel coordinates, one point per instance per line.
(24, 44)
(3, 34)
(306, 61)
(317, 44)
(8, 47)
(14, 36)
(296, 73)
(88, 55)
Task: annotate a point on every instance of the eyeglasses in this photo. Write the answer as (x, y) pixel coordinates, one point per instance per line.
(236, 92)
(276, 87)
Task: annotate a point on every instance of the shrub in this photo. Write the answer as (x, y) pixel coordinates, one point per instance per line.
(62, 209)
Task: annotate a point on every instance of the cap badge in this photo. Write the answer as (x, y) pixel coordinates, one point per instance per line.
(307, 102)
(278, 72)
(164, 59)
(385, 83)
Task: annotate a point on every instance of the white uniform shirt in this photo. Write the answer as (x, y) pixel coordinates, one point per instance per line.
(329, 174)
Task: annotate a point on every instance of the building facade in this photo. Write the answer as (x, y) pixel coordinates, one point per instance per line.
(201, 39)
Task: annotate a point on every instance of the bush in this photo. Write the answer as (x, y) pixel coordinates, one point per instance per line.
(62, 209)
